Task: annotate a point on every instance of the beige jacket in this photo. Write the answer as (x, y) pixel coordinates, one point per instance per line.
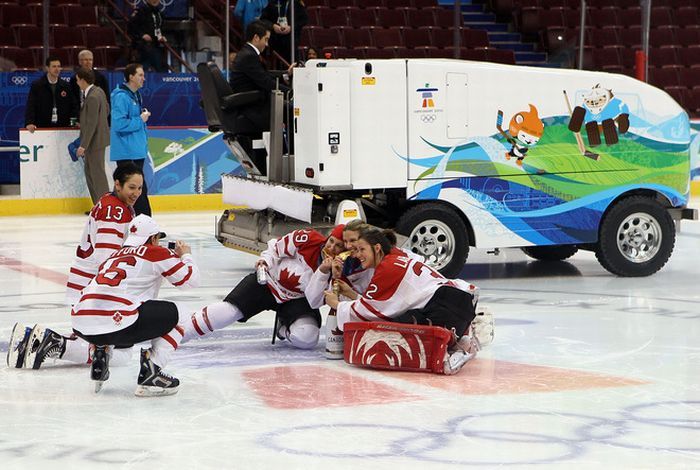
(94, 127)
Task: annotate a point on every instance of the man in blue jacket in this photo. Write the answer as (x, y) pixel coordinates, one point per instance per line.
(129, 142)
(248, 11)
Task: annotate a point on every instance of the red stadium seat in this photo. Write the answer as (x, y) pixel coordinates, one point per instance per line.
(97, 36)
(387, 38)
(14, 15)
(81, 16)
(332, 17)
(64, 36)
(416, 37)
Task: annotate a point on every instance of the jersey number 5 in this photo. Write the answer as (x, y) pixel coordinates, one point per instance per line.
(114, 275)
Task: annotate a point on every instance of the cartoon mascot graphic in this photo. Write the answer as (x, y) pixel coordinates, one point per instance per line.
(601, 111)
(524, 131)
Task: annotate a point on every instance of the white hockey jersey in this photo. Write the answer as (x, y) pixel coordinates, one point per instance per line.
(399, 284)
(353, 274)
(128, 278)
(291, 262)
(104, 233)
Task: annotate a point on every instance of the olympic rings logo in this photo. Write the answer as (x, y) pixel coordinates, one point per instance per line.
(164, 3)
(19, 80)
(428, 118)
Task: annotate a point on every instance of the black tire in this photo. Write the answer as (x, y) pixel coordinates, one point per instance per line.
(550, 253)
(438, 233)
(636, 237)
(576, 120)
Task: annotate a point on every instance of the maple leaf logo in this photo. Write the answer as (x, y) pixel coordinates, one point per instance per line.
(132, 229)
(290, 281)
(117, 317)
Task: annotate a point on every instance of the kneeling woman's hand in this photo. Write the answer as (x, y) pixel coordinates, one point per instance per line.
(331, 299)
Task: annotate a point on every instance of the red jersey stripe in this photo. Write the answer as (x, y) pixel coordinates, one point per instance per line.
(180, 330)
(286, 244)
(173, 269)
(205, 315)
(111, 231)
(111, 298)
(352, 306)
(374, 310)
(196, 327)
(184, 279)
(81, 273)
(103, 313)
(110, 246)
(172, 342)
(71, 285)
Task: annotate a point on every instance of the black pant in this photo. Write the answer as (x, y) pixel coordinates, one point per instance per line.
(156, 318)
(151, 56)
(252, 298)
(142, 205)
(449, 308)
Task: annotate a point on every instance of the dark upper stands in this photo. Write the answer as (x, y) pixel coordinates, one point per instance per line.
(392, 28)
(74, 25)
(614, 34)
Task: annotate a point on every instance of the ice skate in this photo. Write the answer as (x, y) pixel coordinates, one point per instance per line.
(482, 327)
(463, 351)
(43, 344)
(99, 368)
(153, 382)
(17, 347)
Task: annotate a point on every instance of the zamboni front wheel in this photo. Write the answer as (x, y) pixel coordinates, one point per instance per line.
(636, 237)
(436, 232)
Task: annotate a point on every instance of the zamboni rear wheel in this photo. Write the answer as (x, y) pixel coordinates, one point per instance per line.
(436, 232)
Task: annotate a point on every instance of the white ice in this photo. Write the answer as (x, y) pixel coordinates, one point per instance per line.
(587, 370)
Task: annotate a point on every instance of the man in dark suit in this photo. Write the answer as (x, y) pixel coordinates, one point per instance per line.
(146, 35)
(249, 74)
(278, 13)
(86, 60)
(94, 133)
(50, 102)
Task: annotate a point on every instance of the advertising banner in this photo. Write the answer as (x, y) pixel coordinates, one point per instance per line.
(182, 160)
(172, 99)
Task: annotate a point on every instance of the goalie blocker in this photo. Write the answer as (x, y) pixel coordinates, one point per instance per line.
(399, 346)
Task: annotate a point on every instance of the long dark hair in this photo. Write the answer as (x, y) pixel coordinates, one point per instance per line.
(386, 238)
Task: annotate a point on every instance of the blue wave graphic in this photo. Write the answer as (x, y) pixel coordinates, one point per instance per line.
(537, 216)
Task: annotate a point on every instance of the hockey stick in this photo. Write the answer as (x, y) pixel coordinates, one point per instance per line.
(579, 139)
(499, 126)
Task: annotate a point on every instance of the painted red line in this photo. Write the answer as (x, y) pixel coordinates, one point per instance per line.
(319, 387)
(36, 271)
(493, 377)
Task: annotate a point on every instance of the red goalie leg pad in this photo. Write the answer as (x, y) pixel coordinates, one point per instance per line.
(396, 346)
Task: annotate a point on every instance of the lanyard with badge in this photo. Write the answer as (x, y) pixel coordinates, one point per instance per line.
(54, 110)
(282, 19)
(156, 26)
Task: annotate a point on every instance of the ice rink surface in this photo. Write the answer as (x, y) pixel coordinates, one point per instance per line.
(587, 371)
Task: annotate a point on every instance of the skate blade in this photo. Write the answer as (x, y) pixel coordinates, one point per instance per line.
(149, 391)
(98, 385)
(15, 360)
(30, 356)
